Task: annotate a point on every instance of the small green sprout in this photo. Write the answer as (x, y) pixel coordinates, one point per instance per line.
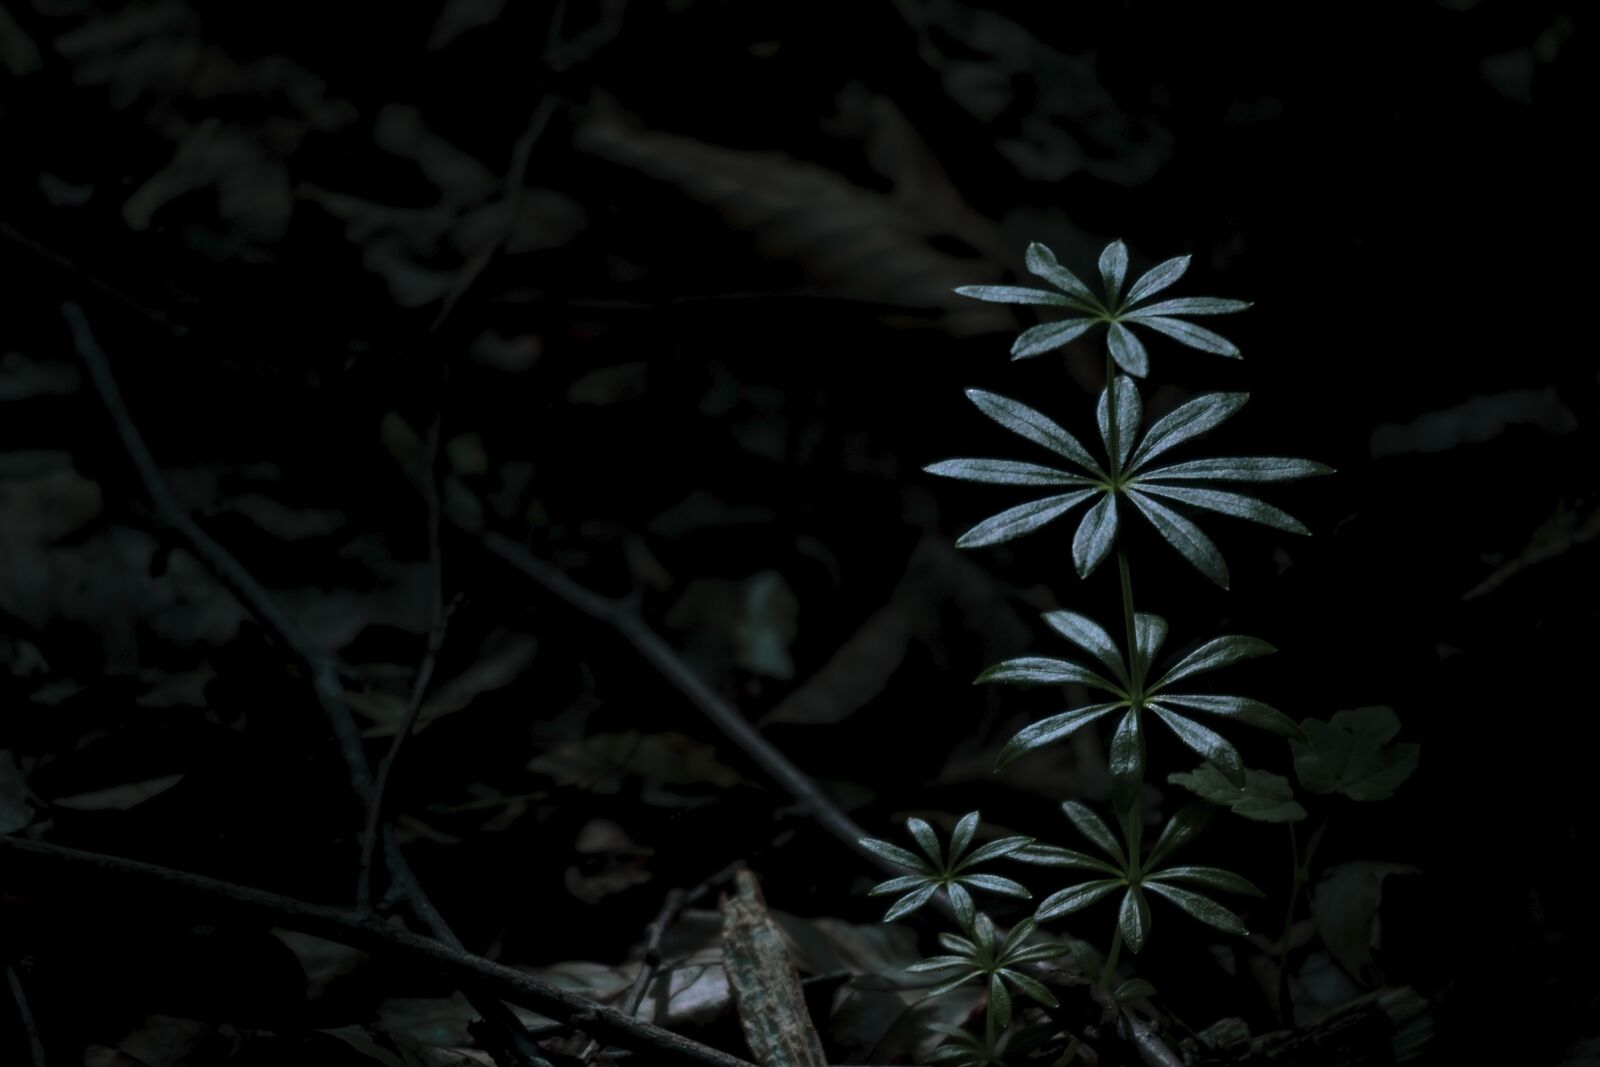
(994, 960)
(948, 870)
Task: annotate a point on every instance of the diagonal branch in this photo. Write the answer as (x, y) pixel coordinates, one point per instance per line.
(371, 934)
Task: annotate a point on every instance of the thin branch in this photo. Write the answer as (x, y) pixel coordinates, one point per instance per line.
(321, 666)
(624, 617)
(20, 998)
(371, 934)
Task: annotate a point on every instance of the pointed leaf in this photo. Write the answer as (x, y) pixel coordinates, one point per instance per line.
(927, 840)
(1055, 856)
(1235, 504)
(959, 945)
(1031, 988)
(1042, 263)
(961, 904)
(1216, 653)
(1237, 469)
(1005, 846)
(1264, 797)
(1243, 709)
(1095, 829)
(1127, 761)
(1157, 278)
(1129, 411)
(1091, 637)
(1047, 731)
(1133, 989)
(1189, 334)
(1128, 351)
(999, 1003)
(1023, 421)
(1209, 877)
(1185, 536)
(1149, 633)
(1205, 909)
(1075, 898)
(1022, 519)
(1190, 305)
(961, 836)
(898, 885)
(1012, 294)
(993, 883)
(910, 902)
(895, 854)
(1049, 336)
(951, 984)
(1043, 950)
(1039, 670)
(1184, 826)
(1096, 534)
(1186, 422)
(1133, 917)
(1113, 269)
(1207, 742)
(1004, 472)
(938, 963)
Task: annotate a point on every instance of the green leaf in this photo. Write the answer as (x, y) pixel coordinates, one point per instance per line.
(1238, 469)
(1186, 422)
(1207, 742)
(1004, 472)
(1128, 351)
(1096, 534)
(1243, 709)
(1129, 413)
(1214, 654)
(1185, 536)
(951, 984)
(1040, 670)
(1352, 754)
(1113, 269)
(1095, 829)
(999, 1003)
(1075, 898)
(1049, 336)
(1149, 633)
(1011, 294)
(996, 884)
(1005, 846)
(1091, 637)
(1156, 279)
(1048, 731)
(1205, 909)
(910, 903)
(1190, 305)
(1134, 918)
(1055, 856)
(1189, 334)
(1026, 422)
(961, 837)
(1133, 989)
(961, 904)
(1044, 950)
(938, 963)
(1264, 797)
(959, 945)
(1127, 761)
(898, 885)
(1235, 504)
(1042, 263)
(1184, 826)
(1209, 877)
(927, 840)
(1031, 988)
(1022, 519)
(895, 854)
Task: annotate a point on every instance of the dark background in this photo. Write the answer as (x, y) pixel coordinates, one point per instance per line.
(703, 353)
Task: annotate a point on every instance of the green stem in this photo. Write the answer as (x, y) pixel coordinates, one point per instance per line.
(1285, 1008)
(1110, 970)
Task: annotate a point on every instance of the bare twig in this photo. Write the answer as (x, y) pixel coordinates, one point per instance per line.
(367, 932)
(20, 998)
(321, 666)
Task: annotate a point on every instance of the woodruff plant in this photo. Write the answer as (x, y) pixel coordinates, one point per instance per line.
(1131, 478)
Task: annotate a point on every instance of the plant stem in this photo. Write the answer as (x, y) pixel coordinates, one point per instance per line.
(1285, 1008)
(1110, 970)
